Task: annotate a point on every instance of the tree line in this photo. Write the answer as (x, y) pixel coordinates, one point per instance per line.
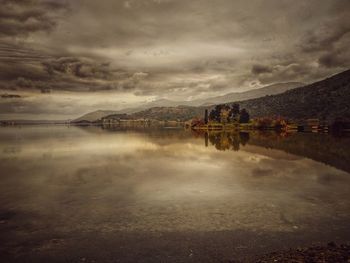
(225, 113)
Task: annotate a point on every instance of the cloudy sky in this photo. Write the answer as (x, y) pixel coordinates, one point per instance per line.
(60, 59)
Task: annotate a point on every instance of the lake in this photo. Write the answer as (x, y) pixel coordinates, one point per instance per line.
(88, 194)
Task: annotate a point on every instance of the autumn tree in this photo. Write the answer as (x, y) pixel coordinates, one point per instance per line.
(225, 114)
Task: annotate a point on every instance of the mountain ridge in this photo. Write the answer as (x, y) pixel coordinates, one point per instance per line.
(326, 99)
(272, 89)
(264, 91)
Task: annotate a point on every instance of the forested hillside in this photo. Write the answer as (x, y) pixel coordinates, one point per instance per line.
(329, 99)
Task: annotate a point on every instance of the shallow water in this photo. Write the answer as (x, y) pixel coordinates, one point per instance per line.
(167, 195)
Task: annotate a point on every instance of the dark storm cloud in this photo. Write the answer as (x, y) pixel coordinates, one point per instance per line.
(327, 34)
(78, 67)
(22, 68)
(34, 106)
(328, 42)
(9, 96)
(258, 69)
(292, 72)
(22, 17)
(333, 59)
(325, 38)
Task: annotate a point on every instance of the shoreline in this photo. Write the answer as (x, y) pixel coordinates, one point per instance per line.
(327, 253)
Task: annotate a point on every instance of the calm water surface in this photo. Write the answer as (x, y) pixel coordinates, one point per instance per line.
(71, 194)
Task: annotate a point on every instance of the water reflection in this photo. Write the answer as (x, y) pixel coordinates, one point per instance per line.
(66, 183)
(225, 140)
(331, 150)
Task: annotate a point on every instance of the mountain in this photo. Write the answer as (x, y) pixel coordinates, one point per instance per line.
(234, 96)
(326, 99)
(95, 115)
(99, 114)
(152, 104)
(250, 94)
(180, 113)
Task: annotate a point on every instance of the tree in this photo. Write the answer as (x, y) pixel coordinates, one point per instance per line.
(206, 116)
(215, 113)
(212, 115)
(244, 116)
(234, 112)
(235, 108)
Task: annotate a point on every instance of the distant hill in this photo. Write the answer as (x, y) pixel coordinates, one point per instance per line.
(152, 104)
(181, 113)
(234, 96)
(95, 115)
(325, 99)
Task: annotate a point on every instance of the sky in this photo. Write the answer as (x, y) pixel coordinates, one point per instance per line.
(60, 59)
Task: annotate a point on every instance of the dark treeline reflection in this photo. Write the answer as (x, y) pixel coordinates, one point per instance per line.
(325, 148)
(226, 141)
(331, 150)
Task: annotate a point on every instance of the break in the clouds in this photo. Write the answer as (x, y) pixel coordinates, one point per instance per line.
(63, 58)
